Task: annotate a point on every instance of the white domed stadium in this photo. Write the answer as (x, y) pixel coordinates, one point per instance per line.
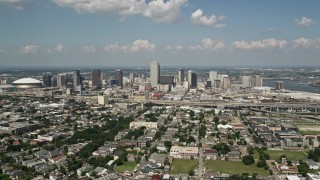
(27, 83)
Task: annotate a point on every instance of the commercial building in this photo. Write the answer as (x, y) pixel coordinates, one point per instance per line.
(96, 78)
(256, 81)
(119, 77)
(180, 75)
(213, 75)
(7, 88)
(154, 73)
(47, 81)
(76, 80)
(61, 80)
(103, 100)
(246, 81)
(184, 152)
(166, 80)
(226, 83)
(278, 85)
(148, 125)
(217, 84)
(17, 128)
(192, 79)
(131, 77)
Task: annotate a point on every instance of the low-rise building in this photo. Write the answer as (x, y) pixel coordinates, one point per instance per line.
(148, 125)
(184, 152)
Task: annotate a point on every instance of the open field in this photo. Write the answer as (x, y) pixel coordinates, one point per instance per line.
(129, 166)
(233, 167)
(291, 155)
(309, 132)
(183, 166)
(275, 154)
(308, 127)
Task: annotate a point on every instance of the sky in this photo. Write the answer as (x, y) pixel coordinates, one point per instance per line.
(211, 33)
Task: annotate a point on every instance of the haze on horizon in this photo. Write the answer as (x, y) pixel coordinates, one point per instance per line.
(173, 32)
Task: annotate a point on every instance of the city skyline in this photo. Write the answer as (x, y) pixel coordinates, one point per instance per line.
(173, 32)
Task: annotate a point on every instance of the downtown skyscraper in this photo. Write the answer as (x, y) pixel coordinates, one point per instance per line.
(119, 78)
(96, 78)
(76, 80)
(154, 73)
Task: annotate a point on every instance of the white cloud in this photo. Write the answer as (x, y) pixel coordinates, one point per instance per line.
(164, 11)
(174, 47)
(209, 44)
(137, 46)
(59, 48)
(305, 43)
(199, 18)
(261, 44)
(159, 10)
(304, 21)
(89, 49)
(29, 49)
(112, 48)
(18, 4)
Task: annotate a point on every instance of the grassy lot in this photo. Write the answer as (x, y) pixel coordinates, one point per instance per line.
(275, 154)
(309, 132)
(128, 166)
(291, 155)
(233, 167)
(183, 166)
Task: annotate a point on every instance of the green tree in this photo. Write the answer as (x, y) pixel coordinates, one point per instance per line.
(248, 160)
(191, 172)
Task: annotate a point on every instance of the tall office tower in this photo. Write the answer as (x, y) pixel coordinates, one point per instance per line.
(246, 81)
(76, 79)
(119, 78)
(259, 81)
(221, 77)
(226, 83)
(131, 77)
(54, 80)
(180, 75)
(61, 80)
(213, 75)
(278, 85)
(154, 73)
(192, 79)
(47, 80)
(96, 78)
(217, 84)
(69, 82)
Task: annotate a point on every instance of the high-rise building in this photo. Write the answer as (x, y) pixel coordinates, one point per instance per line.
(180, 75)
(96, 78)
(54, 81)
(61, 80)
(258, 81)
(217, 84)
(119, 78)
(131, 76)
(213, 75)
(76, 79)
(278, 85)
(226, 83)
(69, 82)
(246, 81)
(47, 80)
(192, 79)
(154, 73)
(221, 78)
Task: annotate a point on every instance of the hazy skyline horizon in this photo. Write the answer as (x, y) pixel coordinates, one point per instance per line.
(174, 32)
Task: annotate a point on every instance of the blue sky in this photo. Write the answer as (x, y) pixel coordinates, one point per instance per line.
(174, 32)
